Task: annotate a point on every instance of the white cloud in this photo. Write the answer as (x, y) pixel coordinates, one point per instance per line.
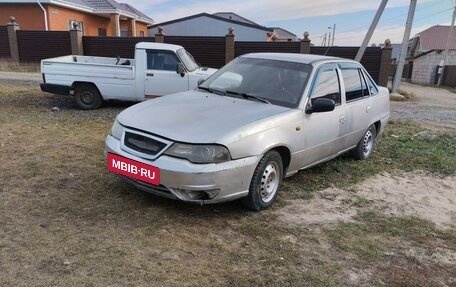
(262, 10)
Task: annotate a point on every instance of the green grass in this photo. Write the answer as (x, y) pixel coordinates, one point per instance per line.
(375, 233)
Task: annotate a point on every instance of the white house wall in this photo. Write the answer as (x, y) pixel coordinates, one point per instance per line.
(424, 67)
(206, 26)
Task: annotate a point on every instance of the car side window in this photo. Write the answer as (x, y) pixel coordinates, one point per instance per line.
(327, 86)
(161, 60)
(370, 84)
(355, 87)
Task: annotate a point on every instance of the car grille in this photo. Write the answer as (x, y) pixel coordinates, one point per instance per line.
(143, 144)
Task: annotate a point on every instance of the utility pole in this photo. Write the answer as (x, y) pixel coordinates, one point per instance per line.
(323, 43)
(400, 64)
(334, 34)
(329, 39)
(447, 45)
(374, 23)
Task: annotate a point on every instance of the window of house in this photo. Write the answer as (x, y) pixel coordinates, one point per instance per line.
(101, 32)
(124, 33)
(327, 86)
(78, 24)
(161, 60)
(355, 87)
(141, 33)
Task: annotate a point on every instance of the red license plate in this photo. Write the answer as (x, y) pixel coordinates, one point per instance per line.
(134, 169)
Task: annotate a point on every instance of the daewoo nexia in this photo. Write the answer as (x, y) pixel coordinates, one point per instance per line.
(257, 120)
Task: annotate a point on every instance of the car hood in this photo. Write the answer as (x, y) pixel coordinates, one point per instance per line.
(204, 71)
(195, 117)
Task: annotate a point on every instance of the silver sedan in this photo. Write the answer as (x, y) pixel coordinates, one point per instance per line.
(257, 120)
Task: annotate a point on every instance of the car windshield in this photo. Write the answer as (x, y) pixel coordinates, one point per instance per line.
(268, 81)
(188, 60)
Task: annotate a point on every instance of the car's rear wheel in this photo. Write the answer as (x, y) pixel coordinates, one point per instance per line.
(87, 97)
(365, 146)
(265, 183)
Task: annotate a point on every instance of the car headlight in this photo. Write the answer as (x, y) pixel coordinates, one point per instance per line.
(199, 153)
(116, 130)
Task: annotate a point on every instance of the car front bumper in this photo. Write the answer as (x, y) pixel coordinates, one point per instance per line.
(196, 183)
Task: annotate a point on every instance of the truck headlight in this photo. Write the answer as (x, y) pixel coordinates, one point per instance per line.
(199, 153)
(116, 130)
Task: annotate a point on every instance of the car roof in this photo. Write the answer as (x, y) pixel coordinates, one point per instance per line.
(158, 46)
(298, 58)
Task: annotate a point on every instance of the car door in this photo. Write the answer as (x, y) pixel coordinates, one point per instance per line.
(324, 131)
(358, 103)
(161, 77)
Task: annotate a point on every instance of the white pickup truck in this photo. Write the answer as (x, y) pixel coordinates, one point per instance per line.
(158, 69)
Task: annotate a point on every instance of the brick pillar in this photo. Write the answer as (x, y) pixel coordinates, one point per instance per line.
(229, 45)
(115, 24)
(160, 36)
(76, 40)
(12, 27)
(133, 27)
(305, 44)
(385, 64)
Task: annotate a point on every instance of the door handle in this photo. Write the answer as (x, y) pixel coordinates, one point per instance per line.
(150, 74)
(342, 120)
(368, 109)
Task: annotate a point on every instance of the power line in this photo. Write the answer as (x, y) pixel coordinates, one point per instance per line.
(389, 18)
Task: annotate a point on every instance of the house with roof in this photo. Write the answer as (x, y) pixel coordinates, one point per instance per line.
(427, 52)
(93, 17)
(213, 25)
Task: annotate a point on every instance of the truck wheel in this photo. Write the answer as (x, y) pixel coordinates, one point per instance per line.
(265, 182)
(87, 97)
(365, 146)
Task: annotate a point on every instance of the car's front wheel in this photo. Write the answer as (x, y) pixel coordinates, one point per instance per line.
(265, 183)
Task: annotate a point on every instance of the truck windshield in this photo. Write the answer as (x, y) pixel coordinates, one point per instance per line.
(277, 82)
(187, 60)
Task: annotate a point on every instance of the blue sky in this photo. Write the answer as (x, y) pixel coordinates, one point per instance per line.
(352, 17)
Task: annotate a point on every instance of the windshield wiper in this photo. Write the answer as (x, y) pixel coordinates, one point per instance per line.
(212, 91)
(247, 96)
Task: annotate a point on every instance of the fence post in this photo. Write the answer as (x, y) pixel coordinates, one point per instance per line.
(160, 36)
(12, 27)
(76, 40)
(385, 64)
(305, 44)
(229, 45)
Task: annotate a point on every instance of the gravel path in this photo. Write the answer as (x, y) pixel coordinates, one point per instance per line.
(432, 106)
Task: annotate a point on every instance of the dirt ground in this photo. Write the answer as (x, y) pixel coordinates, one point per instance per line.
(411, 194)
(66, 221)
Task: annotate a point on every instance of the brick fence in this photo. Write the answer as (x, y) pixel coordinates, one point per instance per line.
(33, 46)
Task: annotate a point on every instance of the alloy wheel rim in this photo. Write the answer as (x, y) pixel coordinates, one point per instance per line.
(269, 182)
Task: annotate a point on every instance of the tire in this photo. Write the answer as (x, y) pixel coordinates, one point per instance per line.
(365, 146)
(265, 183)
(87, 97)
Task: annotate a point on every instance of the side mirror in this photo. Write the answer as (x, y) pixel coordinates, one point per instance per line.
(321, 105)
(180, 69)
(200, 81)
